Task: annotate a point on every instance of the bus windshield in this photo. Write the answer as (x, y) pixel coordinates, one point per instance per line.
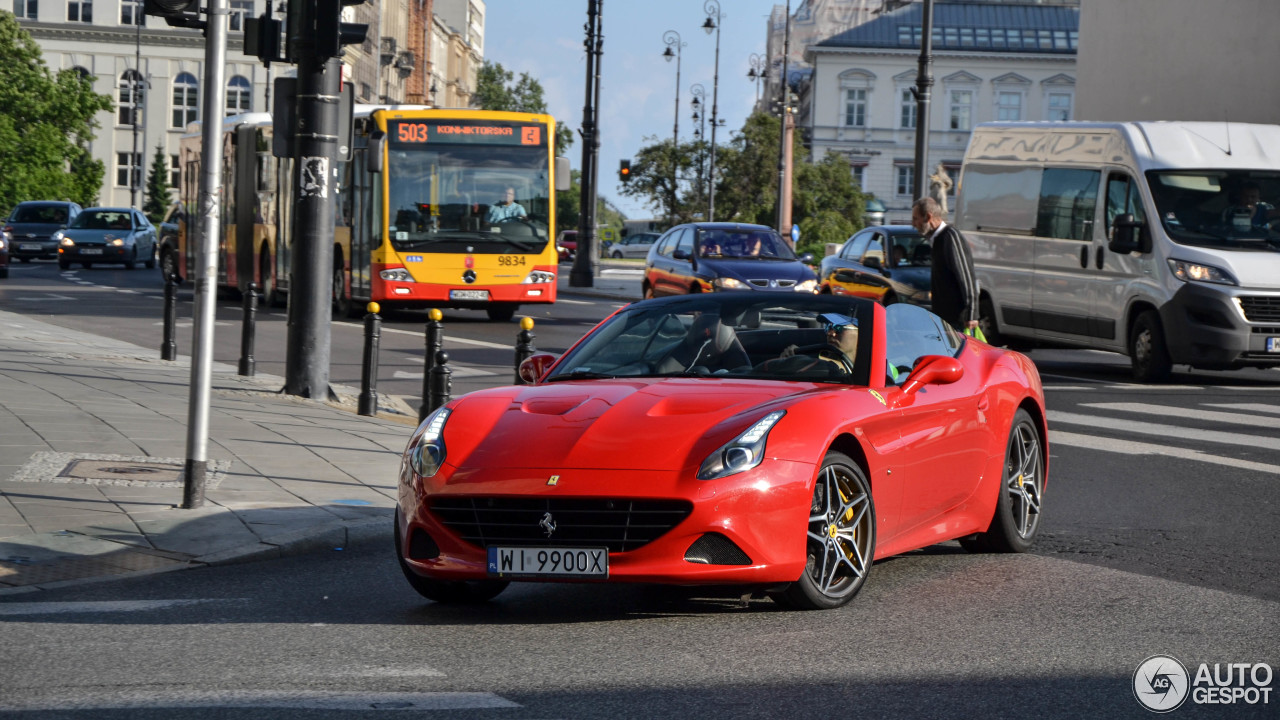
(474, 198)
(1219, 208)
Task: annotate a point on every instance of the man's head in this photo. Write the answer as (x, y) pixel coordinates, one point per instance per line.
(1250, 194)
(926, 215)
(509, 196)
(842, 332)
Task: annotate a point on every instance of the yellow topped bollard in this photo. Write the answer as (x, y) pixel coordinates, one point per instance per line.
(524, 344)
(526, 323)
(368, 401)
(373, 307)
(435, 315)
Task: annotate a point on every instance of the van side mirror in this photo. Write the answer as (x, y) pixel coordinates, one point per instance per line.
(373, 158)
(1128, 234)
(563, 180)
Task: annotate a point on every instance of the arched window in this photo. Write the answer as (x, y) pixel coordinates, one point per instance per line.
(185, 103)
(132, 97)
(239, 95)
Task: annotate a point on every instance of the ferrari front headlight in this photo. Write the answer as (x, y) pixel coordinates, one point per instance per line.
(743, 452)
(426, 451)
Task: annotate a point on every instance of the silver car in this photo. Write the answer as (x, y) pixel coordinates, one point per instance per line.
(633, 246)
(107, 235)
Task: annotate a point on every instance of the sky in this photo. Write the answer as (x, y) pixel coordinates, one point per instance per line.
(637, 87)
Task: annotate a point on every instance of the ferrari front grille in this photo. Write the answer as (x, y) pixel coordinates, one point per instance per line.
(1260, 308)
(619, 524)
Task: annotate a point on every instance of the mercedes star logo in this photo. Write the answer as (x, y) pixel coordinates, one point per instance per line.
(548, 524)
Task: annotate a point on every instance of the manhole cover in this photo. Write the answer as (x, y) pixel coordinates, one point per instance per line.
(137, 472)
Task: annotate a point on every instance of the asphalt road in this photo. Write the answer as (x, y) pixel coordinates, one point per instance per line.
(1159, 536)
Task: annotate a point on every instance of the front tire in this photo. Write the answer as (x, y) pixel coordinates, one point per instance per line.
(132, 262)
(841, 538)
(150, 263)
(64, 264)
(501, 313)
(616, 255)
(1017, 517)
(1148, 353)
(342, 305)
(468, 592)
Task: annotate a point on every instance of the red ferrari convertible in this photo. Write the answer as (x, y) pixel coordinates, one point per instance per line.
(774, 440)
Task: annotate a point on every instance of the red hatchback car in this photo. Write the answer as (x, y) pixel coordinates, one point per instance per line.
(780, 441)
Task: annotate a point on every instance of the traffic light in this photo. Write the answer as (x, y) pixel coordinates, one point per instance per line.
(624, 171)
(262, 38)
(331, 32)
(178, 13)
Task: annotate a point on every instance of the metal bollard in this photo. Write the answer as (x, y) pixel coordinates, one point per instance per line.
(247, 329)
(435, 343)
(369, 374)
(441, 383)
(524, 344)
(169, 347)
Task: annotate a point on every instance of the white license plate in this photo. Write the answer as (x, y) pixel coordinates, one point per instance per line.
(549, 562)
(90, 251)
(468, 294)
(1273, 344)
(30, 246)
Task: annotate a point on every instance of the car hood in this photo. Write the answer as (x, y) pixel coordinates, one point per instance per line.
(757, 269)
(639, 424)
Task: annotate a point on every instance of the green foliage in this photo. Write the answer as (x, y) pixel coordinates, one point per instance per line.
(569, 208)
(498, 89)
(826, 202)
(158, 200)
(46, 125)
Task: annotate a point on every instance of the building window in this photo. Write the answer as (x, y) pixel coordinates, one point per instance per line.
(1009, 106)
(1059, 107)
(185, 88)
(906, 109)
(80, 11)
(239, 95)
(906, 179)
(961, 110)
(983, 37)
(29, 9)
(240, 9)
(131, 13)
(132, 97)
(1014, 38)
(859, 172)
(855, 108)
(126, 162)
(175, 172)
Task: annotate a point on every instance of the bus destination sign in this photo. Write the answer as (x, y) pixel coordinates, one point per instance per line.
(461, 132)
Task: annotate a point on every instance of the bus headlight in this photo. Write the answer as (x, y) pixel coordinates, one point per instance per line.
(1195, 272)
(539, 276)
(396, 275)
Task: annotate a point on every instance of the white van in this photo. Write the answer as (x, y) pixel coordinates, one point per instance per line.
(1159, 240)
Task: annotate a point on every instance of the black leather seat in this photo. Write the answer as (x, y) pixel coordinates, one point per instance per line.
(709, 344)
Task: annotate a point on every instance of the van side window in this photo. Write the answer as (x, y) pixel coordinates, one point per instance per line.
(1068, 200)
(1123, 198)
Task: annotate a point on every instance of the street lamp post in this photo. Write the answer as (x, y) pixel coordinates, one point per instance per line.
(714, 18)
(699, 116)
(672, 39)
(784, 181)
(135, 167)
(759, 71)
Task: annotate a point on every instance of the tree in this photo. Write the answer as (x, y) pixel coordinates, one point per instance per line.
(664, 175)
(46, 125)
(569, 208)
(157, 201)
(498, 89)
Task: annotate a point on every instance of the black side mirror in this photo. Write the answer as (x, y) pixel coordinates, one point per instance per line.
(1128, 234)
(806, 258)
(872, 262)
(680, 255)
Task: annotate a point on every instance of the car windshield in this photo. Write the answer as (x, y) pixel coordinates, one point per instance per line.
(1219, 208)
(103, 220)
(809, 338)
(46, 214)
(743, 244)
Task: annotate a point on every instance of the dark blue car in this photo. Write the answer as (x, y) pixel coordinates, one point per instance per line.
(710, 257)
(888, 263)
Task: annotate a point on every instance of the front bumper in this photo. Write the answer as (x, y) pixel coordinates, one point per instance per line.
(33, 249)
(1206, 327)
(763, 512)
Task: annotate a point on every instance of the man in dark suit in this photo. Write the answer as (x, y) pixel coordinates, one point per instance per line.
(954, 285)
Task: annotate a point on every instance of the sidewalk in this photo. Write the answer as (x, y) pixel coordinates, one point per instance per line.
(614, 279)
(93, 443)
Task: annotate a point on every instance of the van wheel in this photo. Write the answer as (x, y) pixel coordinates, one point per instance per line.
(1147, 351)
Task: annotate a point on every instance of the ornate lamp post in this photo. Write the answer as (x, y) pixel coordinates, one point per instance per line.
(700, 131)
(759, 71)
(712, 8)
(672, 39)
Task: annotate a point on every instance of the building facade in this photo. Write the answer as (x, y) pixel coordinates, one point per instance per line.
(457, 51)
(991, 61)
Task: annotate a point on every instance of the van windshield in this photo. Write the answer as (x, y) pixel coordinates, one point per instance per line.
(1219, 208)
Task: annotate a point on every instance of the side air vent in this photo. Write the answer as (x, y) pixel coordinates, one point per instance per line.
(421, 546)
(715, 549)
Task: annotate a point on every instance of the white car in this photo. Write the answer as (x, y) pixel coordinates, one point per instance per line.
(633, 246)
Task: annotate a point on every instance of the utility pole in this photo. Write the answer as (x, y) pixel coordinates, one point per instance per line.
(784, 178)
(924, 81)
(584, 263)
(712, 8)
(135, 163)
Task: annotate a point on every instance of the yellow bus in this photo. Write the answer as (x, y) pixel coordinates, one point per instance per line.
(436, 208)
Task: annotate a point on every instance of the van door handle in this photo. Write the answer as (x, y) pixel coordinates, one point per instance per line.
(1097, 259)
(1084, 257)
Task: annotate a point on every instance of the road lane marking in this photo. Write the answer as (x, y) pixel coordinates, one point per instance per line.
(419, 333)
(1193, 413)
(347, 701)
(1166, 431)
(1249, 407)
(46, 297)
(458, 372)
(99, 606)
(1131, 447)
